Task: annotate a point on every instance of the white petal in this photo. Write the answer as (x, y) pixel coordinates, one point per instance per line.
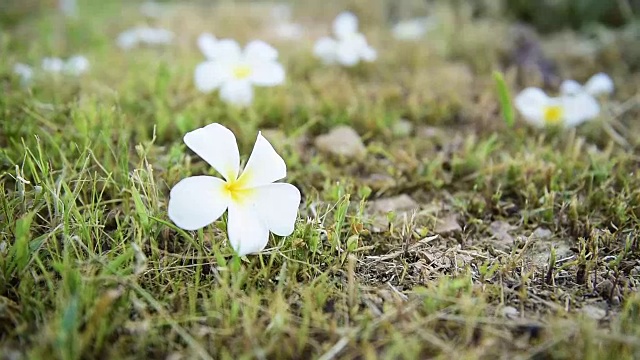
(325, 49)
(228, 51)
(579, 108)
(258, 50)
(345, 24)
(217, 146)
(25, 72)
(127, 39)
(531, 103)
(52, 64)
(570, 87)
(247, 232)
(197, 201)
(208, 45)
(269, 73)
(264, 165)
(277, 206)
(237, 92)
(210, 75)
(347, 54)
(76, 65)
(599, 84)
(369, 54)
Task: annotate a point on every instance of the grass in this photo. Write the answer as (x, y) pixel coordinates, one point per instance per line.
(545, 263)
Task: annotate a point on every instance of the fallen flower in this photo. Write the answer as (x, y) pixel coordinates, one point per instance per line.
(349, 47)
(236, 71)
(541, 110)
(256, 204)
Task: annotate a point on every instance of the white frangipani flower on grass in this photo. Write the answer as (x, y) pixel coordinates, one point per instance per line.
(541, 110)
(349, 47)
(598, 84)
(235, 71)
(256, 204)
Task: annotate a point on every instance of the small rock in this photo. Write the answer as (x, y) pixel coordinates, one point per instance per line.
(396, 203)
(379, 181)
(379, 209)
(594, 312)
(448, 224)
(430, 132)
(341, 141)
(500, 231)
(541, 234)
(509, 312)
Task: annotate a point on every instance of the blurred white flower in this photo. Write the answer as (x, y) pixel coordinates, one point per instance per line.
(144, 35)
(24, 72)
(541, 110)
(256, 204)
(598, 84)
(349, 47)
(52, 64)
(236, 71)
(76, 65)
(412, 29)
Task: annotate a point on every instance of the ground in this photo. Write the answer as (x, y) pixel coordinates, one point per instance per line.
(449, 233)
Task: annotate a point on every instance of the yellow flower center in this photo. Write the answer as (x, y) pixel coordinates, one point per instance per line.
(237, 189)
(241, 72)
(553, 114)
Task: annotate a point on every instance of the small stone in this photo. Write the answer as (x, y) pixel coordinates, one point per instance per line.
(594, 312)
(448, 224)
(379, 210)
(541, 234)
(500, 231)
(396, 203)
(509, 312)
(341, 141)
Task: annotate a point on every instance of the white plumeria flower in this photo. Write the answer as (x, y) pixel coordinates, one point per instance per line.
(144, 35)
(25, 72)
(52, 64)
(349, 47)
(256, 204)
(236, 71)
(412, 29)
(541, 110)
(76, 65)
(598, 84)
